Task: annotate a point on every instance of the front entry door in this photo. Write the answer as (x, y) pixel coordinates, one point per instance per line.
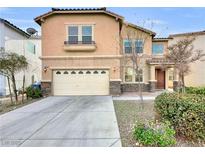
(160, 77)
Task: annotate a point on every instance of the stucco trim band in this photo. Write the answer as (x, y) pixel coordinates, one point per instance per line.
(81, 57)
(78, 68)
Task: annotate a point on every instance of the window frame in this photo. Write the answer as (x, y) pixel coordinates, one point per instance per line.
(72, 35)
(91, 35)
(28, 47)
(158, 45)
(124, 41)
(80, 32)
(139, 40)
(133, 76)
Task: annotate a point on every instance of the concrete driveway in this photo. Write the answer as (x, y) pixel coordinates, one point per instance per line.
(62, 121)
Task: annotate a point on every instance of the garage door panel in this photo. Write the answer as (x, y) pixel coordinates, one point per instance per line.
(84, 82)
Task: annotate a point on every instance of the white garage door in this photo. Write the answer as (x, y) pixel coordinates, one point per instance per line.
(81, 82)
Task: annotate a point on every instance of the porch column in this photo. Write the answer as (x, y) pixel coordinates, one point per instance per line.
(175, 80)
(152, 81)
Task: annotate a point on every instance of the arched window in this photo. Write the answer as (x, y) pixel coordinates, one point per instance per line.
(88, 72)
(73, 72)
(95, 72)
(103, 72)
(58, 72)
(66, 72)
(80, 72)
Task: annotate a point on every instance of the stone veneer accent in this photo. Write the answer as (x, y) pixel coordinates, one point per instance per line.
(152, 86)
(115, 88)
(46, 88)
(133, 87)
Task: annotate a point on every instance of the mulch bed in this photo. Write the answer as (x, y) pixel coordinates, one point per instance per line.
(128, 112)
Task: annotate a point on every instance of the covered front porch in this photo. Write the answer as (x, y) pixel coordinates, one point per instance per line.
(162, 75)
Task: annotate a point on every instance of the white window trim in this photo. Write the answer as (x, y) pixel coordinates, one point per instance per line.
(133, 45)
(124, 40)
(79, 30)
(142, 45)
(133, 77)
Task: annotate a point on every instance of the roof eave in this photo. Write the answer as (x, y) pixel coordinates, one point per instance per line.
(39, 18)
(141, 28)
(187, 34)
(15, 28)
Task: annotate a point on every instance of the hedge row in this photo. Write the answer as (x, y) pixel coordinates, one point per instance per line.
(195, 90)
(186, 112)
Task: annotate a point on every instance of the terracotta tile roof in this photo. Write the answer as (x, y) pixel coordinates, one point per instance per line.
(77, 10)
(141, 28)
(187, 34)
(163, 39)
(159, 61)
(6, 22)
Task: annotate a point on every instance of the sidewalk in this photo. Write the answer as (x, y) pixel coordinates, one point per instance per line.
(135, 95)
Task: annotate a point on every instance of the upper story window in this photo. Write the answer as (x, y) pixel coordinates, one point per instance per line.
(127, 46)
(30, 47)
(157, 48)
(86, 34)
(73, 34)
(139, 46)
(80, 34)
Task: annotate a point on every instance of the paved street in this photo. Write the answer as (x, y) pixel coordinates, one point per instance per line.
(62, 121)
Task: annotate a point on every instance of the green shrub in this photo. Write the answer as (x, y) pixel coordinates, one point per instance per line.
(195, 90)
(154, 134)
(33, 92)
(186, 112)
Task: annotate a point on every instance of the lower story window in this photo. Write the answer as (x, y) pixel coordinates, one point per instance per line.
(132, 76)
(171, 75)
(139, 76)
(128, 75)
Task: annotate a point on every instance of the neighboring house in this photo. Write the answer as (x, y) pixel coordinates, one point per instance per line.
(13, 39)
(196, 77)
(82, 53)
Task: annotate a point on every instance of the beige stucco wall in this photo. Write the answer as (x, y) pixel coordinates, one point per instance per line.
(106, 37)
(133, 33)
(109, 64)
(197, 75)
(129, 32)
(54, 33)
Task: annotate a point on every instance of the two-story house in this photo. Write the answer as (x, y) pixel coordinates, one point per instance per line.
(13, 39)
(83, 50)
(196, 76)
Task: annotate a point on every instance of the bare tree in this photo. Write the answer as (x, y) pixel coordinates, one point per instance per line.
(182, 54)
(135, 55)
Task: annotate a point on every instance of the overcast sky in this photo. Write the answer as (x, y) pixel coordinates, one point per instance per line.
(163, 21)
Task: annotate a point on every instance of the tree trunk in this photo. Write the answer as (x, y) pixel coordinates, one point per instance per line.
(23, 88)
(140, 89)
(14, 87)
(183, 84)
(10, 90)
